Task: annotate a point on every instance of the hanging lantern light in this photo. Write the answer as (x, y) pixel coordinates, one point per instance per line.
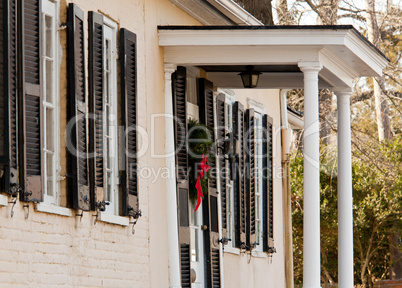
(250, 77)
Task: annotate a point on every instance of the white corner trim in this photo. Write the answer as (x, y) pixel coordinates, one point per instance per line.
(113, 219)
(3, 200)
(53, 209)
(257, 106)
(231, 250)
(258, 254)
(235, 12)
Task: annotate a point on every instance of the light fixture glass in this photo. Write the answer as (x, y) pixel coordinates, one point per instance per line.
(250, 77)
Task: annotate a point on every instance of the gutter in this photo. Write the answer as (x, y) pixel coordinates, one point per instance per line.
(235, 12)
(286, 132)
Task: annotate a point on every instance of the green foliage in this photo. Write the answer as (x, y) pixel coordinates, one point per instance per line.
(200, 142)
(377, 206)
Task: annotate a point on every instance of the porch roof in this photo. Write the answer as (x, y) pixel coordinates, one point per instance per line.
(276, 51)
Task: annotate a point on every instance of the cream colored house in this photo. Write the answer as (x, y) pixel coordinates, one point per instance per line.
(96, 98)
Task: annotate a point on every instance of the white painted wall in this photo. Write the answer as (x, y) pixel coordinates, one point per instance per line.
(49, 250)
(257, 272)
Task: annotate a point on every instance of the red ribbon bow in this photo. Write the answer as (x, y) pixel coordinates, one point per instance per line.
(202, 167)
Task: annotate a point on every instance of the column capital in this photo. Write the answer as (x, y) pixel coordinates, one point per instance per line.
(169, 69)
(307, 66)
(346, 92)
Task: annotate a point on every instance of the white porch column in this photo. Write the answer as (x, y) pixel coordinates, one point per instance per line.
(311, 220)
(345, 205)
(171, 200)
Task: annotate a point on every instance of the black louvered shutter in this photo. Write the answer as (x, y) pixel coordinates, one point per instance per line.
(180, 113)
(220, 136)
(128, 73)
(78, 109)
(239, 178)
(8, 98)
(210, 204)
(268, 212)
(250, 178)
(96, 87)
(30, 104)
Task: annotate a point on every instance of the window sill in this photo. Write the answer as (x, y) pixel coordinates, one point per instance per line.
(3, 200)
(258, 254)
(53, 209)
(231, 250)
(113, 219)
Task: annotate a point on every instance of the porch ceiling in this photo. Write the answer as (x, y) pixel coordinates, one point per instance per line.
(224, 51)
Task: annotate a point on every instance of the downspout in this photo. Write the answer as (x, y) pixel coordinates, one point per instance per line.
(287, 200)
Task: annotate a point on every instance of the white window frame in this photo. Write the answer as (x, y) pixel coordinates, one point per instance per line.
(259, 110)
(51, 8)
(110, 120)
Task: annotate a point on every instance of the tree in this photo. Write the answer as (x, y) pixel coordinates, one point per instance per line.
(377, 212)
(260, 9)
(381, 106)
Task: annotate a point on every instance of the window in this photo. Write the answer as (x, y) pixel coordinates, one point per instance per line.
(103, 111)
(110, 117)
(50, 102)
(258, 182)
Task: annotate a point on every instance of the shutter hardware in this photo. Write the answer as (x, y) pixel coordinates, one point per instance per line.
(100, 207)
(14, 190)
(224, 241)
(136, 215)
(271, 250)
(229, 148)
(26, 206)
(81, 215)
(64, 26)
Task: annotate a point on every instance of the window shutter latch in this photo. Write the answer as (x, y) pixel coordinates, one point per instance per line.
(224, 241)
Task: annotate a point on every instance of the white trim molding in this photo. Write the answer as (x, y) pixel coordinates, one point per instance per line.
(53, 209)
(3, 200)
(257, 106)
(202, 12)
(235, 12)
(114, 219)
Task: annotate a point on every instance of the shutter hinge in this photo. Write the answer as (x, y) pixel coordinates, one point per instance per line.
(137, 214)
(134, 213)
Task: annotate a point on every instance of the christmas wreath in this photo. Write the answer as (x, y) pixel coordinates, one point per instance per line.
(200, 157)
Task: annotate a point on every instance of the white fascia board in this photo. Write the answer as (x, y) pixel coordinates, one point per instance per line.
(202, 12)
(287, 37)
(375, 61)
(240, 55)
(235, 12)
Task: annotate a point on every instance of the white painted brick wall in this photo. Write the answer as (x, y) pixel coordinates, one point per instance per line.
(48, 250)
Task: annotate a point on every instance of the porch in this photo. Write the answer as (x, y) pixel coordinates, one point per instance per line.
(288, 57)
